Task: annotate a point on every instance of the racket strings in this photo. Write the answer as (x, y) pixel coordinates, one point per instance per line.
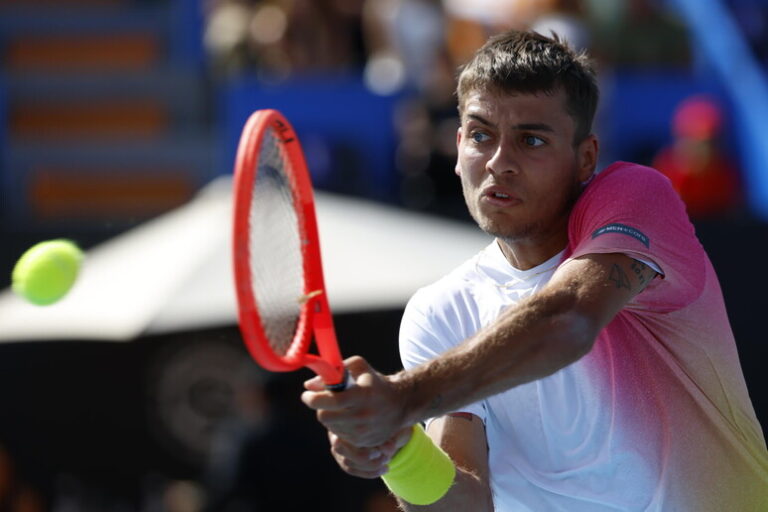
(276, 247)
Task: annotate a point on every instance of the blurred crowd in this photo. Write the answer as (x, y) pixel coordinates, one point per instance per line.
(417, 46)
(414, 42)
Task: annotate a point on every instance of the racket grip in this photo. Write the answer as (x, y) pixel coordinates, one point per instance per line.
(420, 472)
(346, 382)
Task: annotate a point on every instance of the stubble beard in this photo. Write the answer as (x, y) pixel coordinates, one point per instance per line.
(511, 233)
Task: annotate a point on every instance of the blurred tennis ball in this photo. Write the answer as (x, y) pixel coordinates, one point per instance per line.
(45, 273)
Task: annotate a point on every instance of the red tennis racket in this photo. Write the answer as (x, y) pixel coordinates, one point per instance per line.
(280, 291)
(278, 271)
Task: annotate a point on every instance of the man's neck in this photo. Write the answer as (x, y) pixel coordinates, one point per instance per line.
(524, 255)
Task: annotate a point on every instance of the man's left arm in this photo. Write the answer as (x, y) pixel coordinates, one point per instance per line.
(530, 340)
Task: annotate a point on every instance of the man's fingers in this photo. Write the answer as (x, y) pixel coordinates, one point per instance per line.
(400, 440)
(360, 454)
(318, 397)
(352, 431)
(359, 473)
(366, 414)
(362, 462)
(326, 400)
(314, 384)
(357, 366)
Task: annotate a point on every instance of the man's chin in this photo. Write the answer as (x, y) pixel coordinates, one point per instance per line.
(500, 225)
(504, 231)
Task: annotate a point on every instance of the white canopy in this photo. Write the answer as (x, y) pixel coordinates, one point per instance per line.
(174, 272)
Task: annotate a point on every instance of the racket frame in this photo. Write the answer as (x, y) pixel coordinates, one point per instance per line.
(315, 315)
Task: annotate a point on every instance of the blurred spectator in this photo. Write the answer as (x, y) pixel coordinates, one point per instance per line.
(631, 33)
(704, 177)
(271, 444)
(281, 38)
(249, 420)
(404, 39)
(470, 22)
(407, 42)
(566, 18)
(183, 496)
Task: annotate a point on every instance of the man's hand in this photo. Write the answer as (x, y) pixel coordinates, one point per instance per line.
(367, 462)
(366, 415)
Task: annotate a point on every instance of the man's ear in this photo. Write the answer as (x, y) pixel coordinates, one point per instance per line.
(587, 153)
(456, 169)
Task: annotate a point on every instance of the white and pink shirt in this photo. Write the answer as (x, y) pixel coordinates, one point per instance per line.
(657, 416)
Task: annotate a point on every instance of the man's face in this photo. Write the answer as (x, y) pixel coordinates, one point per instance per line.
(519, 169)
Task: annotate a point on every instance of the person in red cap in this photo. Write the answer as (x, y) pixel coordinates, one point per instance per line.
(706, 180)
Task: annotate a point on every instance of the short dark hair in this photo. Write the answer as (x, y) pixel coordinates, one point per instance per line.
(528, 62)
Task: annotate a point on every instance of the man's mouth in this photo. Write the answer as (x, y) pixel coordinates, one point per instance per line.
(498, 197)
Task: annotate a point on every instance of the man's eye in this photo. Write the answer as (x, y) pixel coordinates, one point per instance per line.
(533, 141)
(479, 137)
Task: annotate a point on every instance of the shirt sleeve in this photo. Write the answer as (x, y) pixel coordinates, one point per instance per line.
(634, 210)
(425, 334)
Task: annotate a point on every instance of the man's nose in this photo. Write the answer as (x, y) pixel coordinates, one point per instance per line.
(502, 161)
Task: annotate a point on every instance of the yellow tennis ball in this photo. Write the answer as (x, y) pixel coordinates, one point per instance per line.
(421, 472)
(45, 273)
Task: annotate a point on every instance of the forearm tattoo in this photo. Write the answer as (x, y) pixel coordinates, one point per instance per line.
(639, 270)
(619, 277)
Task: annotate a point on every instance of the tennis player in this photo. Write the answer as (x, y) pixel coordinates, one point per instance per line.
(583, 361)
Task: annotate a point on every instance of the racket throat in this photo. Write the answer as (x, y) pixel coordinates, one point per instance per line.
(328, 364)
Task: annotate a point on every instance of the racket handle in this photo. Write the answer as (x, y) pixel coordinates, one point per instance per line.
(346, 382)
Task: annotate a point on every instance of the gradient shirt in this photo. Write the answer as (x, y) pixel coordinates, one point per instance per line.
(656, 417)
